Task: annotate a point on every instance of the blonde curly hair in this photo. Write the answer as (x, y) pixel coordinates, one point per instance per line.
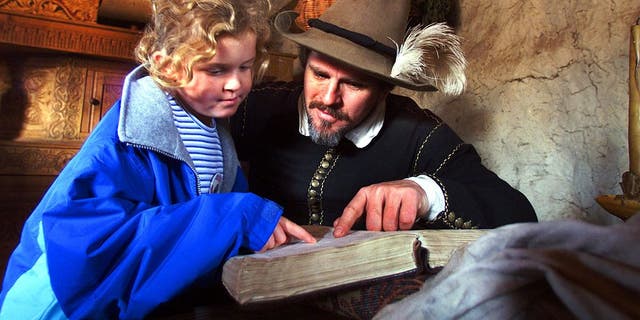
(186, 31)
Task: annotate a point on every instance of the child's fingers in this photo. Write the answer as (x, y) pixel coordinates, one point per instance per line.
(296, 231)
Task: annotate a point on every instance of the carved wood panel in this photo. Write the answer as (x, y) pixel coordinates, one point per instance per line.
(82, 38)
(280, 67)
(56, 97)
(20, 159)
(75, 10)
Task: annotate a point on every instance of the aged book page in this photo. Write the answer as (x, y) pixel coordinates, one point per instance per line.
(301, 268)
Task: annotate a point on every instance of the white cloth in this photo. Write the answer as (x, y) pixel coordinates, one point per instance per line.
(548, 270)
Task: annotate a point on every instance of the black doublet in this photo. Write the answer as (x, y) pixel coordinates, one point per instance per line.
(314, 183)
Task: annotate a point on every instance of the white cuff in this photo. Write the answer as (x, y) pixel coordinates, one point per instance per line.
(435, 196)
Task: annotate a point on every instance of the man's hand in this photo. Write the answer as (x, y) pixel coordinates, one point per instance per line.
(284, 231)
(388, 206)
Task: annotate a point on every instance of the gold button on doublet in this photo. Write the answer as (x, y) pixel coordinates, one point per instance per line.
(457, 222)
(316, 186)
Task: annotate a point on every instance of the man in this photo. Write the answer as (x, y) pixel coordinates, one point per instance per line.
(341, 149)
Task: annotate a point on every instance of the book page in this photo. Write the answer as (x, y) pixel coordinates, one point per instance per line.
(326, 240)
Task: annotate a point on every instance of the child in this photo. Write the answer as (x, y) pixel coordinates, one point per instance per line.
(150, 206)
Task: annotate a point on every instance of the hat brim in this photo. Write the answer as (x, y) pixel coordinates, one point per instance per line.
(344, 51)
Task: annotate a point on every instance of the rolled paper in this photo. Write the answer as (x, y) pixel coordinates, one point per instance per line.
(634, 100)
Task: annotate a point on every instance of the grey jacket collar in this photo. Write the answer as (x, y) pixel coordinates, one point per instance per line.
(146, 121)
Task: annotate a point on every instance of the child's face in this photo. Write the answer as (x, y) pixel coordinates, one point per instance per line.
(220, 84)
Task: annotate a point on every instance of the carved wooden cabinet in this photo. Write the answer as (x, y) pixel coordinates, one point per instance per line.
(102, 88)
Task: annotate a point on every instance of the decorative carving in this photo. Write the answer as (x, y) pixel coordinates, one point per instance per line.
(51, 34)
(75, 10)
(64, 112)
(37, 87)
(50, 97)
(34, 160)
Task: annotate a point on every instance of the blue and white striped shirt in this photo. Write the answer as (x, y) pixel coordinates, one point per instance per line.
(203, 144)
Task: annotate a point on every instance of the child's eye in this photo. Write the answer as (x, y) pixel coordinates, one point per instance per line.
(215, 72)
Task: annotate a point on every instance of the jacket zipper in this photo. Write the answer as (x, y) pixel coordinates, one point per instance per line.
(193, 170)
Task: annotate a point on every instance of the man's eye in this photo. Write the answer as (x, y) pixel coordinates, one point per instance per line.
(356, 85)
(321, 75)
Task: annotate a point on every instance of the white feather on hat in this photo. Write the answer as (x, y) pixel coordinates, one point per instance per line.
(431, 54)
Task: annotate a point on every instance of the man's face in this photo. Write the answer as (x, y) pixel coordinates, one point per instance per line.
(338, 98)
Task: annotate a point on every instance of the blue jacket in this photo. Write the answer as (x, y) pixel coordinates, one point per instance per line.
(124, 228)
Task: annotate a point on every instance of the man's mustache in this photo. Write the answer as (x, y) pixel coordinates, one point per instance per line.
(334, 112)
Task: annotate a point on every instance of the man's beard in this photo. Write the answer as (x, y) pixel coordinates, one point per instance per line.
(322, 135)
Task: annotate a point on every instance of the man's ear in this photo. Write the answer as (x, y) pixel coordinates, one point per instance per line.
(384, 92)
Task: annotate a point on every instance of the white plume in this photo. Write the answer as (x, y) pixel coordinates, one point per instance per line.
(432, 55)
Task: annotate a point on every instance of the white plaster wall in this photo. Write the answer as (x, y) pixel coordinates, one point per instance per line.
(546, 103)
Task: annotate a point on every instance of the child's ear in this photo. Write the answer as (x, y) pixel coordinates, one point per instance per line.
(157, 57)
(167, 71)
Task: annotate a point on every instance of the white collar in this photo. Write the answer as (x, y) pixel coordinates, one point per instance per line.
(361, 135)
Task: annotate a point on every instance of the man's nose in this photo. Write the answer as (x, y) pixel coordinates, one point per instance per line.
(332, 94)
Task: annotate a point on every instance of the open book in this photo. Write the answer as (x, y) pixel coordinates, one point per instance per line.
(331, 263)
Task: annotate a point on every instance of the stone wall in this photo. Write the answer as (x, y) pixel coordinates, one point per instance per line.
(546, 104)
(547, 100)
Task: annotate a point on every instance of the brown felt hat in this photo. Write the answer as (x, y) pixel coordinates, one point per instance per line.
(369, 35)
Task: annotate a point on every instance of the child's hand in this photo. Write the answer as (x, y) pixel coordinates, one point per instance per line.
(284, 231)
